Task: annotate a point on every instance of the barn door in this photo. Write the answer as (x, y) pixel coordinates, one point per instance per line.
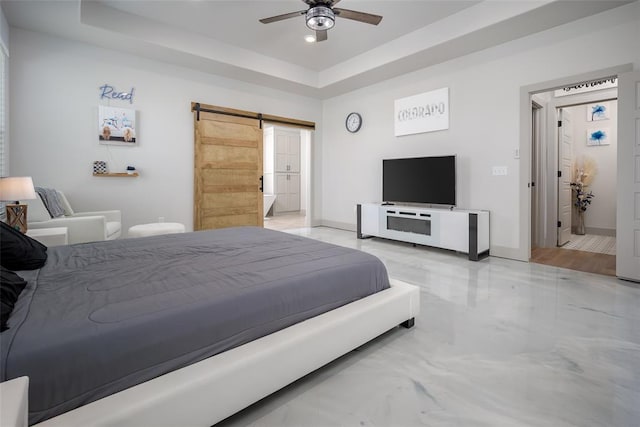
(628, 211)
(228, 171)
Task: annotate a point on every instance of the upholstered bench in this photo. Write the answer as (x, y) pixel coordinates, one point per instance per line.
(155, 228)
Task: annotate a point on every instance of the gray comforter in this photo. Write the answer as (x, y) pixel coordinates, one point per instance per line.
(101, 317)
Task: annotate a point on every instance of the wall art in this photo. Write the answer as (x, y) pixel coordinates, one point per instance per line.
(598, 111)
(109, 92)
(597, 136)
(426, 112)
(117, 126)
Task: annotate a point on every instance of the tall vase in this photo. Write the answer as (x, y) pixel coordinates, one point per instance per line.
(580, 229)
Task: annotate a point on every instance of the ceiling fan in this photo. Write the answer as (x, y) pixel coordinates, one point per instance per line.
(321, 16)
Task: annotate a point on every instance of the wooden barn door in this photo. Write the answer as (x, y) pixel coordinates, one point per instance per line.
(228, 171)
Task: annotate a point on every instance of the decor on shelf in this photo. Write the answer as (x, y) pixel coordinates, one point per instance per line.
(608, 83)
(117, 126)
(99, 167)
(131, 170)
(597, 136)
(14, 189)
(597, 111)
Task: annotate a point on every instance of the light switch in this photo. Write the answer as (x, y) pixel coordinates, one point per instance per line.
(499, 170)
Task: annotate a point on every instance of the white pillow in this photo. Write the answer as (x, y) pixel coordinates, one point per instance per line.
(65, 204)
(36, 211)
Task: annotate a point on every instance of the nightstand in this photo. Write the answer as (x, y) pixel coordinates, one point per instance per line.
(55, 236)
(14, 402)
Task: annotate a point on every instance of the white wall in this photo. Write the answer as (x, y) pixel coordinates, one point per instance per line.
(54, 99)
(484, 120)
(601, 214)
(4, 31)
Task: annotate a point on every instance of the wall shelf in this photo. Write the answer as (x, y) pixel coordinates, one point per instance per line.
(119, 174)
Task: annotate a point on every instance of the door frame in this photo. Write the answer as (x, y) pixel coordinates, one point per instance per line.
(523, 252)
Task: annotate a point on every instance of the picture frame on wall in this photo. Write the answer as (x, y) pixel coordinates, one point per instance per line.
(117, 126)
(598, 111)
(597, 136)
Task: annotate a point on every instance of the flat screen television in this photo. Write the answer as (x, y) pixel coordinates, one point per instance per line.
(428, 180)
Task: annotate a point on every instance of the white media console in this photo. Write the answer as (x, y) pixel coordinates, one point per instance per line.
(459, 230)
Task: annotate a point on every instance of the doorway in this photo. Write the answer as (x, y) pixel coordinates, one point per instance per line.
(574, 179)
(287, 187)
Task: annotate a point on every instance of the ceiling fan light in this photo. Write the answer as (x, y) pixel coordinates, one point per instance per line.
(320, 18)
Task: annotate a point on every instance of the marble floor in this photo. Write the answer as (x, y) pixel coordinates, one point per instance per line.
(285, 221)
(497, 343)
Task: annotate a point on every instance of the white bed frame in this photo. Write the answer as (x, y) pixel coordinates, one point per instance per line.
(209, 391)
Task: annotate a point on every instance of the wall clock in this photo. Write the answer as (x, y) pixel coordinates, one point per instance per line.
(353, 122)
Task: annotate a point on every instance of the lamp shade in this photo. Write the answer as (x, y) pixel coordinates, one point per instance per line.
(16, 188)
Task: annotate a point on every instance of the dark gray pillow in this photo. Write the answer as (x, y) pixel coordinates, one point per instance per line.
(10, 287)
(19, 251)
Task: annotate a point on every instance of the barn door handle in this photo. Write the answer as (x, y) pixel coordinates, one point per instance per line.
(262, 183)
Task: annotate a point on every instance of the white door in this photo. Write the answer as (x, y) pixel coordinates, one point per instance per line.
(294, 192)
(294, 152)
(565, 158)
(628, 210)
(282, 193)
(287, 150)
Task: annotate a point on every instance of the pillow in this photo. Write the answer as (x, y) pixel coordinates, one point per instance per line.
(65, 204)
(51, 201)
(36, 211)
(10, 287)
(19, 251)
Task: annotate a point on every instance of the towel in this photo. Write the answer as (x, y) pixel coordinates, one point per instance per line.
(51, 201)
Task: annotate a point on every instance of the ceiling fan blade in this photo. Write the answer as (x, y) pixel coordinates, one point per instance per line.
(282, 17)
(367, 18)
(321, 35)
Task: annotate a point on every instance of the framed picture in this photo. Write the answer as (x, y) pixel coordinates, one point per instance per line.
(597, 111)
(117, 126)
(598, 136)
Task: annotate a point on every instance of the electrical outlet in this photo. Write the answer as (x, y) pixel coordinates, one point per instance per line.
(516, 153)
(499, 170)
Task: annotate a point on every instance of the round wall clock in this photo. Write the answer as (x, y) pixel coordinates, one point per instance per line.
(353, 122)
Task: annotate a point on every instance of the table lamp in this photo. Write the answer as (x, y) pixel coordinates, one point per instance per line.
(14, 189)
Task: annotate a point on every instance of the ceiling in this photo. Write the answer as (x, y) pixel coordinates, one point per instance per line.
(225, 37)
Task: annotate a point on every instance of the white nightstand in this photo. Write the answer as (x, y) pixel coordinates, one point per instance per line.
(14, 402)
(55, 236)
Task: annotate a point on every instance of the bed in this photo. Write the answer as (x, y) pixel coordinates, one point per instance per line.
(124, 332)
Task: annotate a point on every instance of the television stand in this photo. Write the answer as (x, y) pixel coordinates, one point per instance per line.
(465, 231)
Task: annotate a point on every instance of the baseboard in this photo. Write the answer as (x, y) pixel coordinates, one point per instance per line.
(508, 253)
(601, 231)
(339, 225)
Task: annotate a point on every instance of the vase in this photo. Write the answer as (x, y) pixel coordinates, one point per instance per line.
(580, 228)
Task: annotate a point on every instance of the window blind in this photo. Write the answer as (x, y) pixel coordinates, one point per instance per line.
(4, 105)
